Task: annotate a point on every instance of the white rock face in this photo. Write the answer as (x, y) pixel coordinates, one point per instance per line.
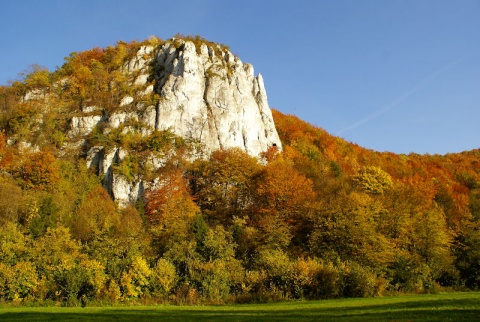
(83, 125)
(126, 192)
(90, 109)
(35, 94)
(213, 99)
(141, 60)
(126, 100)
(205, 95)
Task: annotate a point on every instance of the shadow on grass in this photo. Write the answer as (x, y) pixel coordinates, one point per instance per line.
(430, 310)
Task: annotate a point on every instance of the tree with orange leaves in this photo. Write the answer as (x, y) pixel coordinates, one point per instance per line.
(170, 211)
(96, 215)
(4, 157)
(170, 201)
(225, 184)
(39, 170)
(285, 199)
(283, 190)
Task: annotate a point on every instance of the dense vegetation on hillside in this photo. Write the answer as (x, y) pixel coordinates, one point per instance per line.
(324, 218)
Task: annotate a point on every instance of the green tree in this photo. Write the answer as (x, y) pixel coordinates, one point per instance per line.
(135, 281)
(37, 77)
(216, 272)
(47, 217)
(432, 241)
(56, 256)
(277, 268)
(351, 232)
(467, 254)
(15, 246)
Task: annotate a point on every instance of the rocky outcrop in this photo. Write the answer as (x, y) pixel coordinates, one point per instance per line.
(83, 125)
(212, 97)
(202, 93)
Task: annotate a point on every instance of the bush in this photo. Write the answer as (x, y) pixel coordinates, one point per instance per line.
(327, 283)
(358, 281)
(277, 267)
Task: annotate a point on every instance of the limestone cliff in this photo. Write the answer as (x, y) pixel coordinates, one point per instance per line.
(213, 98)
(200, 92)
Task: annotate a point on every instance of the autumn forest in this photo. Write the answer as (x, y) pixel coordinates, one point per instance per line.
(322, 218)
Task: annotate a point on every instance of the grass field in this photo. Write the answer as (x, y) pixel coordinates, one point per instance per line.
(438, 307)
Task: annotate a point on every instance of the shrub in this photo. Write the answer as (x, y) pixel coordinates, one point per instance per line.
(327, 282)
(358, 281)
(278, 269)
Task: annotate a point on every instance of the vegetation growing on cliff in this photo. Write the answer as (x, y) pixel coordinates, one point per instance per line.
(324, 218)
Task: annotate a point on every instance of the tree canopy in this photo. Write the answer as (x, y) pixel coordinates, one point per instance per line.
(323, 218)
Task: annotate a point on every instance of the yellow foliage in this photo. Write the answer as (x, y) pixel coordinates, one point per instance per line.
(14, 245)
(56, 251)
(305, 271)
(111, 290)
(373, 180)
(164, 276)
(136, 281)
(96, 273)
(18, 281)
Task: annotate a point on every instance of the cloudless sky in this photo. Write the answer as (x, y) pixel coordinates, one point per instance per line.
(389, 75)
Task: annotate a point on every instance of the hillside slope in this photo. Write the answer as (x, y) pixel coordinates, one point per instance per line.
(455, 176)
(153, 171)
(107, 105)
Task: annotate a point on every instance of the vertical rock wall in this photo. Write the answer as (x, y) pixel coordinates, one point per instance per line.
(204, 94)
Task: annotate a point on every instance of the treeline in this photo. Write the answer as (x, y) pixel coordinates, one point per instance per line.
(323, 218)
(231, 229)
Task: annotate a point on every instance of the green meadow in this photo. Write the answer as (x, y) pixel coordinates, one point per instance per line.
(432, 307)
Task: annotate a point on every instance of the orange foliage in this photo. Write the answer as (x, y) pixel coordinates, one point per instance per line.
(87, 57)
(171, 199)
(6, 156)
(96, 215)
(281, 189)
(39, 171)
(446, 180)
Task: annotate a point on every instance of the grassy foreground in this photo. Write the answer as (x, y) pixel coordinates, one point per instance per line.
(438, 307)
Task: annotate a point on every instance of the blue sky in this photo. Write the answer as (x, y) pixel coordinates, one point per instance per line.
(396, 75)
